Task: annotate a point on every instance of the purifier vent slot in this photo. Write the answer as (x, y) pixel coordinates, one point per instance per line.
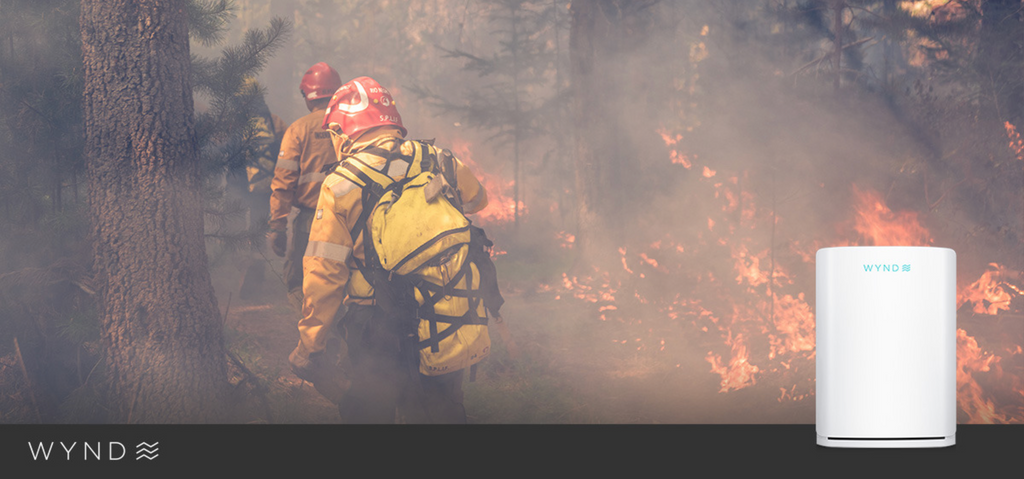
(937, 438)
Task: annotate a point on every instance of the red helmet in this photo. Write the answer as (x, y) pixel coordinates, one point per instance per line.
(362, 104)
(320, 81)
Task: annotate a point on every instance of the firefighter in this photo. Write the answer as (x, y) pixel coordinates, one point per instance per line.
(364, 121)
(255, 189)
(260, 162)
(269, 132)
(305, 149)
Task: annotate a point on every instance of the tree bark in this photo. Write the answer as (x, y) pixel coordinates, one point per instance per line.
(595, 38)
(160, 322)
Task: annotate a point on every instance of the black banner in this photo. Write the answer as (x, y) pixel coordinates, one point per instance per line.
(722, 448)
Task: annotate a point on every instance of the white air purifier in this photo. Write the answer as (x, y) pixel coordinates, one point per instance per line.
(886, 347)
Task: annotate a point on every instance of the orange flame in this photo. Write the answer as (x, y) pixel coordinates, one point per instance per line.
(677, 157)
(567, 240)
(1016, 143)
(501, 206)
(739, 373)
(881, 226)
(748, 267)
(794, 320)
(764, 303)
(987, 294)
(668, 138)
(680, 159)
(970, 360)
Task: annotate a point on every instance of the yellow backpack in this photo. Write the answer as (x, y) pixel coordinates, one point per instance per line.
(424, 258)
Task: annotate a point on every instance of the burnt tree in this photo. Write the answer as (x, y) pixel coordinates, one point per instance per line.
(160, 323)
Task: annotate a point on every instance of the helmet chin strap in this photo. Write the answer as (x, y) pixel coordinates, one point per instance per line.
(339, 139)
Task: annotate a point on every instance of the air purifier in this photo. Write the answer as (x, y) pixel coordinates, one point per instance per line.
(885, 346)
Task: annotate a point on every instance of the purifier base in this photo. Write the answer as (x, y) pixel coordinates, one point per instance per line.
(886, 442)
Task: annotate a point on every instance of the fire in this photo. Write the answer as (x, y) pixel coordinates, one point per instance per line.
(680, 159)
(970, 397)
(738, 289)
(794, 320)
(567, 240)
(677, 157)
(881, 226)
(1016, 143)
(739, 373)
(989, 293)
(748, 267)
(732, 201)
(668, 138)
(501, 205)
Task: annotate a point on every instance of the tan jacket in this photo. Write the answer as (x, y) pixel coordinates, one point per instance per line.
(305, 149)
(330, 274)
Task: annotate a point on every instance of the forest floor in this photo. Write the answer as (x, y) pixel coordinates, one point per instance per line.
(572, 368)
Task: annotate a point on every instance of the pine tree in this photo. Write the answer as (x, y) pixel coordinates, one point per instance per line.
(511, 105)
(43, 252)
(48, 286)
(230, 131)
(161, 326)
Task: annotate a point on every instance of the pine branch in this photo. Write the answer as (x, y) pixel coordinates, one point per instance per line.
(208, 19)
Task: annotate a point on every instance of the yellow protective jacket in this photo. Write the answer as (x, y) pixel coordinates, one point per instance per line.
(305, 149)
(330, 272)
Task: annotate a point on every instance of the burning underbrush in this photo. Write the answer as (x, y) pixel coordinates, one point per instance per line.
(724, 296)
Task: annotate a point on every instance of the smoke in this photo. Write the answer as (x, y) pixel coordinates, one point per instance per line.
(733, 158)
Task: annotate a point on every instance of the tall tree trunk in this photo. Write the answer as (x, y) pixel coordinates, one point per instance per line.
(585, 111)
(160, 322)
(518, 116)
(595, 43)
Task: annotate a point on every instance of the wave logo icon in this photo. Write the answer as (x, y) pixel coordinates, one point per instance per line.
(147, 451)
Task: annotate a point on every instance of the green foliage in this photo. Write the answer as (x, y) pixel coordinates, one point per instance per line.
(81, 326)
(230, 136)
(42, 229)
(208, 20)
(46, 292)
(40, 110)
(517, 96)
(519, 99)
(226, 129)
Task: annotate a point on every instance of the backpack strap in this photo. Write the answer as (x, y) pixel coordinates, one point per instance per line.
(450, 171)
(433, 293)
(479, 254)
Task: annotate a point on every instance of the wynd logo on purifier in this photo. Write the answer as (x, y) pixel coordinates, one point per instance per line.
(115, 451)
(886, 268)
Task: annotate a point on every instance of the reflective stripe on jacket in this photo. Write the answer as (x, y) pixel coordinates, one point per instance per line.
(305, 149)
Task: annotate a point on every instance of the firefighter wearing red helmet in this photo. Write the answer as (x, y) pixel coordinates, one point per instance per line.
(365, 126)
(305, 149)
